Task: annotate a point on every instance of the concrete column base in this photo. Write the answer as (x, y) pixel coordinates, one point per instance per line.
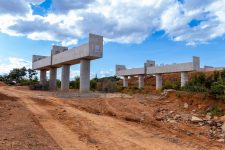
(43, 78)
(84, 76)
(125, 81)
(184, 78)
(65, 78)
(140, 81)
(52, 81)
(158, 81)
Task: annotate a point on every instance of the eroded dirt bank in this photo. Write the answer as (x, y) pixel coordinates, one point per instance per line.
(115, 123)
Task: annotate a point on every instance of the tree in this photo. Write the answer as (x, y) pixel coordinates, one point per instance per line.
(31, 73)
(17, 74)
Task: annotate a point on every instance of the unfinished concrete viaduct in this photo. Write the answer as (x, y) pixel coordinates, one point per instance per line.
(151, 69)
(64, 57)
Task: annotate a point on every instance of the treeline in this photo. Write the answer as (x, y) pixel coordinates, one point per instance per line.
(20, 76)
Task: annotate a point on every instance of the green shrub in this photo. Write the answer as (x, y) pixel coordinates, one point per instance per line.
(93, 84)
(218, 88)
(75, 84)
(197, 83)
(172, 85)
(215, 111)
(58, 83)
(38, 86)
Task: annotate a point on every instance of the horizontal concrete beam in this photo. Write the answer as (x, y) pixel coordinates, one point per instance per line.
(182, 67)
(41, 62)
(133, 71)
(62, 55)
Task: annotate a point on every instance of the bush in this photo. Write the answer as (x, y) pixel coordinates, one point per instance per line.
(218, 88)
(194, 88)
(27, 82)
(75, 84)
(172, 85)
(93, 84)
(109, 86)
(39, 87)
(215, 111)
(197, 83)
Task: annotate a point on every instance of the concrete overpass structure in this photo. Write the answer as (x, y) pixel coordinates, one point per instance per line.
(64, 57)
(151, 69)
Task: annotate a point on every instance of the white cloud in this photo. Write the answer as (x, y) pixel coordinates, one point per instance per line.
(74, 73)
(18, 7)
(13, 62)
(122, 21)
(106, 73)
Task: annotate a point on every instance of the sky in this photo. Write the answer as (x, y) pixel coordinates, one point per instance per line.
(167, 31)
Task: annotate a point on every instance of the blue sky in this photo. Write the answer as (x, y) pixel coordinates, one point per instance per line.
(167, 31)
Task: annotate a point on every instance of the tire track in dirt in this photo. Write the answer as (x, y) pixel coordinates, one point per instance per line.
(110, 129)
(63, 136)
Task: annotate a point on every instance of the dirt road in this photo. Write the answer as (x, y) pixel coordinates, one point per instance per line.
(74, 124)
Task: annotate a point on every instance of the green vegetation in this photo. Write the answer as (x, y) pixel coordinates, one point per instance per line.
(213, 84)
(106, 84)
(172, 85)
(75, 84)
(215, 111)
(20, 76)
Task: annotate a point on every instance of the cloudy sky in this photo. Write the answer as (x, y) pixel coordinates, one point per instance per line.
(167, 31)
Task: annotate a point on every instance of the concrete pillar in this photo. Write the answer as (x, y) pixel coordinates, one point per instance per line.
(43, 78)
(52, 81)
(84, 76)
(140, 81)
(184, 78)
(125, 81)
(158, 81)
(65, 78)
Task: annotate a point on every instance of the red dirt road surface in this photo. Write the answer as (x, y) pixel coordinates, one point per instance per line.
(38, 120)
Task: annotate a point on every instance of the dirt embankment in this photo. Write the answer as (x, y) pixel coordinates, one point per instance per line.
(176, 121)
(172, 115)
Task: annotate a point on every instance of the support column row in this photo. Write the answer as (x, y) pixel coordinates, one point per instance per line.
(184, 80)
(65, 77)
(140, 81)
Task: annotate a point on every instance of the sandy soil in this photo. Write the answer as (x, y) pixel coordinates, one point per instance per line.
(42, 121)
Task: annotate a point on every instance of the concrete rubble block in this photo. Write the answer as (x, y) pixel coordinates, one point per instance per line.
(223, 127)
(195, 119)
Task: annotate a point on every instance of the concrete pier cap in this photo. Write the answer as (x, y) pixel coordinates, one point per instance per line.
(63, 57)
